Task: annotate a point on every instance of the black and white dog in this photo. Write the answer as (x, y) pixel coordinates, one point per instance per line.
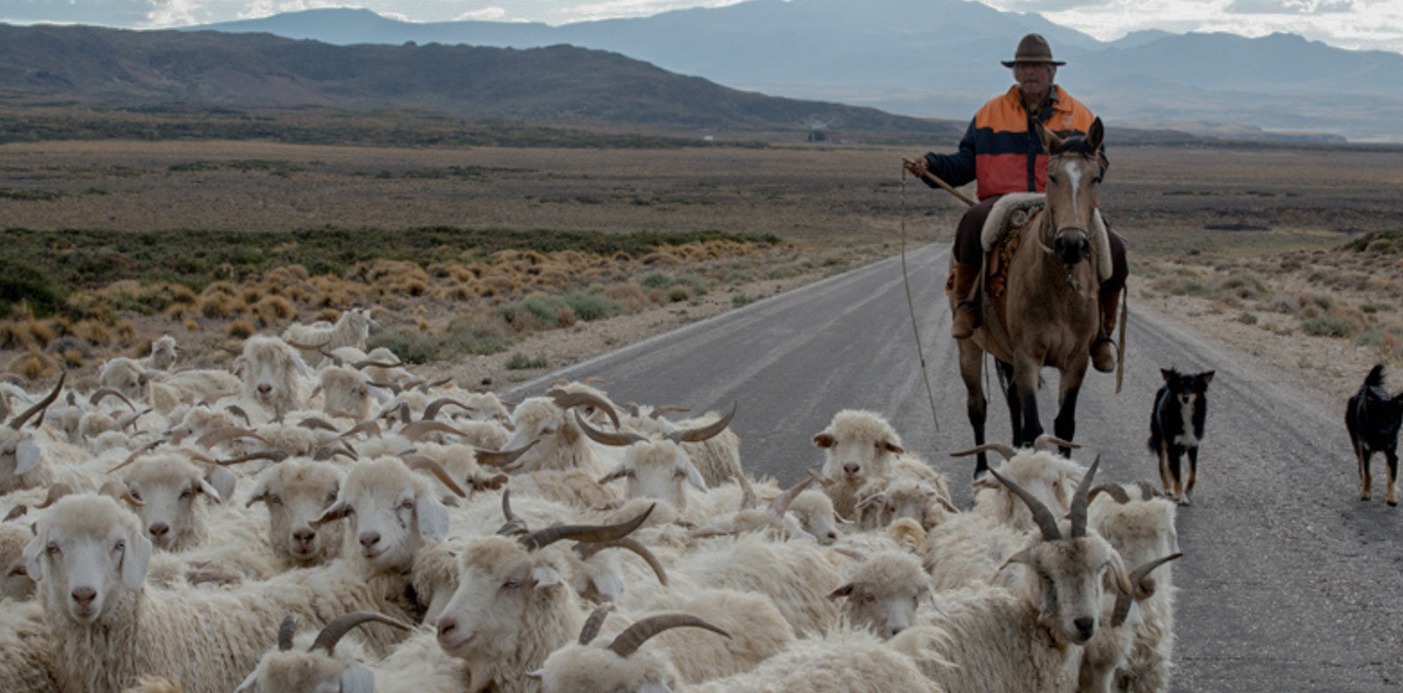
(1373, 419)
(1176, 428)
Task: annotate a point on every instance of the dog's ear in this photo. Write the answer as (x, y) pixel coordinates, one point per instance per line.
(1206, 377)
(1168, 374)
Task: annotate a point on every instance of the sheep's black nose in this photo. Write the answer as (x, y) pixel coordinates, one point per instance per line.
(369, 539)
(84, 595)
(446, 625)
(850, 469)
(304, 536)
(160, 529)
(1086, 627)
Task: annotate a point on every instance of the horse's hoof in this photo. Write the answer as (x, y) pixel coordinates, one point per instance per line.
(1393, 504)
(1185, 501)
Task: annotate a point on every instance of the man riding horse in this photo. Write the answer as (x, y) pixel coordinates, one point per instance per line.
(1002, 151)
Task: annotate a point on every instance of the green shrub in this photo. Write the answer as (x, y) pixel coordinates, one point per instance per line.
(21, 283)
(476, 338)
(1326, 326)
(590, 306)
(521, 362)
(411, 347)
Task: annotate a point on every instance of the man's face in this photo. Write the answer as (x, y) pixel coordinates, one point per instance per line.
(1034, 79)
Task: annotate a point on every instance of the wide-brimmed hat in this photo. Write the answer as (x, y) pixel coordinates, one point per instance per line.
(1033, 49)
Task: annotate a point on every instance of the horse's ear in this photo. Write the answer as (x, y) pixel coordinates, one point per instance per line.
(1095, 135)
(1050, 141)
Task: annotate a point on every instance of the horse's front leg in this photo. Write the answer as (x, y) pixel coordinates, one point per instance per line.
(976, 405)
(1025, 384)
(1010, 392)
(1065, 426)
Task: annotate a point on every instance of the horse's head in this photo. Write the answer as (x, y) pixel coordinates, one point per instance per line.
(1074, 169)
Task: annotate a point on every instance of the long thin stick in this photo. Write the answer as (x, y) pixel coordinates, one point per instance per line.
(911, 306)
(931, 178)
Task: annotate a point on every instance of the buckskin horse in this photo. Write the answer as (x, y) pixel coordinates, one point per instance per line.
(1047, 312)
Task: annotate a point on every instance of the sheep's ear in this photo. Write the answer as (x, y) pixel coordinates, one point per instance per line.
(26, 456)
(695, 476)
(432, 517)
(298, 363)
(210, 492)
(893, 448)
(609, 585)
(31, 554)
(136, 562)
(223, 482)
(825, 440)
(237, 368)
(259, 494)
(844, 591)
(248, 683)
(545, 576)
(357, 679)
(338, 511)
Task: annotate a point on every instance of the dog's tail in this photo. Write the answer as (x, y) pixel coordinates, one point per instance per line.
(1376, 377)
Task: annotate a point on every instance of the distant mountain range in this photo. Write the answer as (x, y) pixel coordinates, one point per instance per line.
(53, 65)
(940, 58)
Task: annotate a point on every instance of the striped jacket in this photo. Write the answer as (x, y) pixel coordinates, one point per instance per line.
(1000, 152)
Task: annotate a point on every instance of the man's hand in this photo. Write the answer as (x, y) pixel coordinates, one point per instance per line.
(916, 166)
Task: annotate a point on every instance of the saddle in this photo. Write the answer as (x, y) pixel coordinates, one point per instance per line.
(1003, 232)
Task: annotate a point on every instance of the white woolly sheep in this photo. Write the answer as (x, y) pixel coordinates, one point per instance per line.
(22, 463)
(886, 500)
(124, 375)
(163, 354)
(883, 593)
(859, 447)
(91, 557)
(416, 665)
(270, 371)
(345, 392)
(716, 458)
(168, 487)
(296, 493)
(658, 469)
(353, 328)
(558, 442)
(27, 664)
(394, 512)
(169, 391)
(15, 582)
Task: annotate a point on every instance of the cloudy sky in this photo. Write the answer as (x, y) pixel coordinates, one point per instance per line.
(1374, 24)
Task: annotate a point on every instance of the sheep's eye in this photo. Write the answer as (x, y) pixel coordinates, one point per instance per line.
(331, 498)
(511, 584)
(121, 546)
(275, 499)
(869, 598)
(406, 504)
(631, 474)
(679, 474)
(135, 493)
(185, 494)
(52, 547)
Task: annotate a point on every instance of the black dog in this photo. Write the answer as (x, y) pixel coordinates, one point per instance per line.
(1176, 427)
(1373, 419)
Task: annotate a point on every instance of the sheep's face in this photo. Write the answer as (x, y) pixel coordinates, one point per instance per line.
(856, 458)
(345, 393)
(659, 470)
(170, 490)
(814, 510)
(538, 420)
(393, 512)
(124, 375)
(1048, 477)
(163, 353)
(1068, 572)
(915, 500)
(501, 586)
(579, 668)
(15, 582)
(86, 550)
(269, 368)
(297, 493)
(485, 406)
(884, 593)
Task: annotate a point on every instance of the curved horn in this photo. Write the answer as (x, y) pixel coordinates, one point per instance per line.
(1148, 491)
(619, 439)
(419, 429)
(220, 435)
(1046, 521)
(1079, 501)
(238, 411)
(426, 386)
(422, 463)
(1142, 590)
(780, 505)
(514, 524)
(286, 631)
(270, 455)
(360, 365)
(18, 422)
(1115, 490)
(1006, 450)
(308, 347)
(594, 623)
(696, 435)
(130, 458)
(586, 550)
(588, 533)
(431, 411)
(106, 392)
(314, 423)
(570, 400)
(502, 458)
(17, 511)
(747, 492)
(630, 640)
(392, 387)
(369, 428)
(341, 625)
(56, 492)
(1047, 440)
(119, 491)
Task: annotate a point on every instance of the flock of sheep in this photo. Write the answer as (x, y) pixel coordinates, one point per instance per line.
(319, 518)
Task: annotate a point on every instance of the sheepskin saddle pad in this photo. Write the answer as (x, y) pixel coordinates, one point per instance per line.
(1013, 212)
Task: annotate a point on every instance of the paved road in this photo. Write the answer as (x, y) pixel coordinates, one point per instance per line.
(1288, 583)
